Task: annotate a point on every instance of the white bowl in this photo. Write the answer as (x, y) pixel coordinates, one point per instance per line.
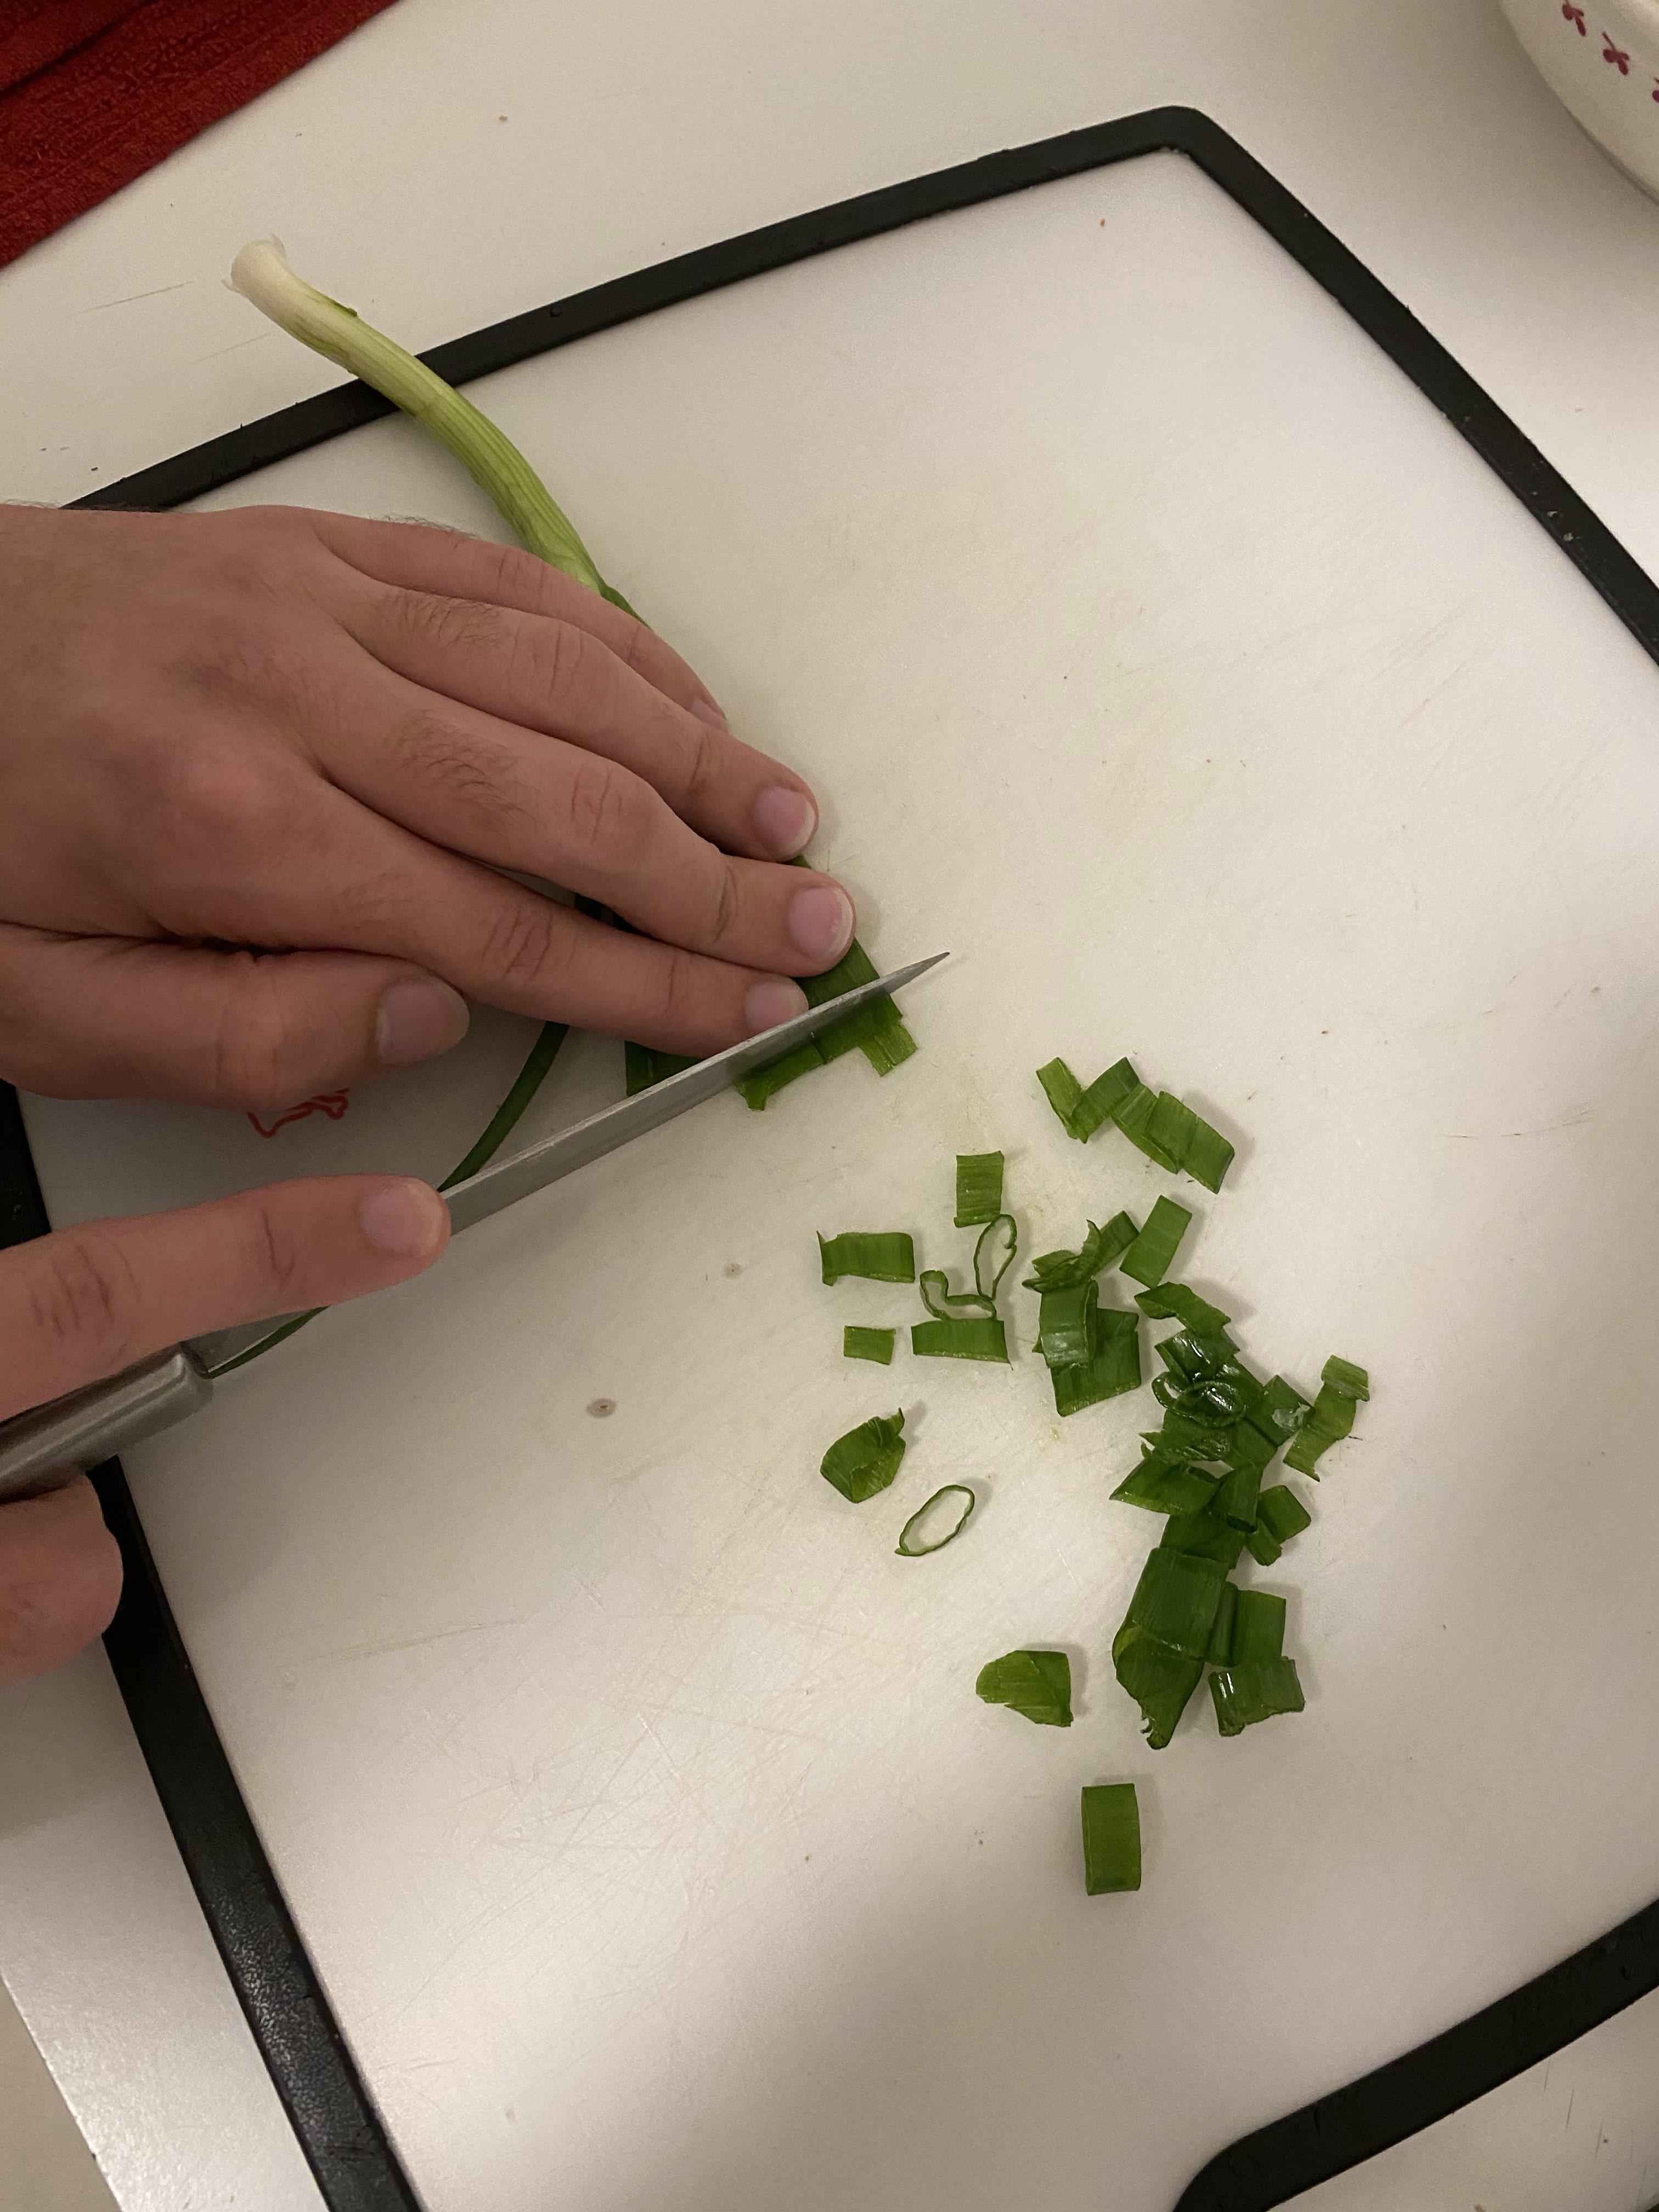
(1600, 58)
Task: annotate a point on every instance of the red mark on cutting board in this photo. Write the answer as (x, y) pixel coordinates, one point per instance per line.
(1616, 55)
(1575, 15)
(332, 1103)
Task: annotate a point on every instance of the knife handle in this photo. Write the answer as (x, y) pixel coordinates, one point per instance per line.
(85, 1427)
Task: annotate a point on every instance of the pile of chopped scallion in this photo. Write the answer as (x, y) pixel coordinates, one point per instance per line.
(1201, 1469)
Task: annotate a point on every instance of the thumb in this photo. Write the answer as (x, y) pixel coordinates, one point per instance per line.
(84, 1303)
(105, 1017)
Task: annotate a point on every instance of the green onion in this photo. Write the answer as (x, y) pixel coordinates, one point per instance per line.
(979, 1188)
(993, 1255)
(980, 1338)
(1063, 1088)
(1161, 1488)
(1174, 1302)
(1202, 1151)
(1112, 1368)
(643, 1066)
(1282, 1512)
(1342, 1375)
(874, 1030)
(1101, 1100)
(1148, 1257)
(1064, 1318)
(1035, 1683)
(1332, 1417)
(913, 1541)
(1204, 1535)
(1221, 1636)
(878, 1255)
(1255, 1692)
(1111, 1837)
(1177, 1600)
(865, 1459)
(1195, 1439)
(1135, 1118)
(1059, 1271)
(1159, 1679)
(868, 1344)
(1258, 1627)
(1264, 1547)
(1237, 1499)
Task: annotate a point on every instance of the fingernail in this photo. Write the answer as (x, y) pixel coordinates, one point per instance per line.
(707, 711)
(821, 922)
(784, 821)
(766, 1005)
(406, 1218)
(417, 1019)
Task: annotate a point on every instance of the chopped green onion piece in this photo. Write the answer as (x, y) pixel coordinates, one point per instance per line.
(1263, 1546)
(1060, 1271)
(1342, 1375)
(875, 1029)
(1111, 1837)
(1064, 1318)
(868, 1344)
(1174, 1302)
(940, 1299)
(1196, 1439)
(1101, 1100)
(1236, 1501)
(1204, 1535)
(979, 1188)
(1174, 1129)
(1221, 1636)
(880, 1256)
(1159, 1679)
(993, 1255)
(1258, 1627)
(1135, 1118)
(914, 1543)
(1198, 1359)
(1112, 1368)
(644, 1067)
(1176, 1600)
(1035, 1683)
(865, 1459)
(1331, 1420)
(1164, 1489)
(1063, 1088)
(1255, 1692)
(980, 1338)
(1148, 1257)
(1282, 1512)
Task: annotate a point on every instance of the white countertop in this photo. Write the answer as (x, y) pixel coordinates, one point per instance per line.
(1420, 136)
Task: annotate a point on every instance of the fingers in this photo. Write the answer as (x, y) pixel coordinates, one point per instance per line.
(60, 1576)
(85, 1303)
(109, 1018)
(423, 558)
(481, 787)
(555, 676)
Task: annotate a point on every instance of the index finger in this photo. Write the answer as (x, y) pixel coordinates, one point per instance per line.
(85, 1303)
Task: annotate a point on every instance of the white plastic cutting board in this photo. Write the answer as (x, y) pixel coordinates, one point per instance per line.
(1161, 652)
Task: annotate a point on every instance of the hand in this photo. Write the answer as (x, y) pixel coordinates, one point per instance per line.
(86, 1303)
(260, 771)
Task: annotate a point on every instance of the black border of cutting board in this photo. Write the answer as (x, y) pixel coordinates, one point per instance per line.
(343, 2139)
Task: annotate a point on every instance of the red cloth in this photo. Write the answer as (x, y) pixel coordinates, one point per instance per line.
(95, 92)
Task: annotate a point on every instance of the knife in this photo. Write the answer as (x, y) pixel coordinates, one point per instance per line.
(89, 1426)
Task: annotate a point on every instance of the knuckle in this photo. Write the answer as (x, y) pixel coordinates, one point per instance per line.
(727, 903)
(277, 1255)
(526, 945)
(468, 776)
(681, 978)
(449, 625)
(217, 796)
(611, 817)
(254, 1061)
(573, 670)
(84, 1298)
